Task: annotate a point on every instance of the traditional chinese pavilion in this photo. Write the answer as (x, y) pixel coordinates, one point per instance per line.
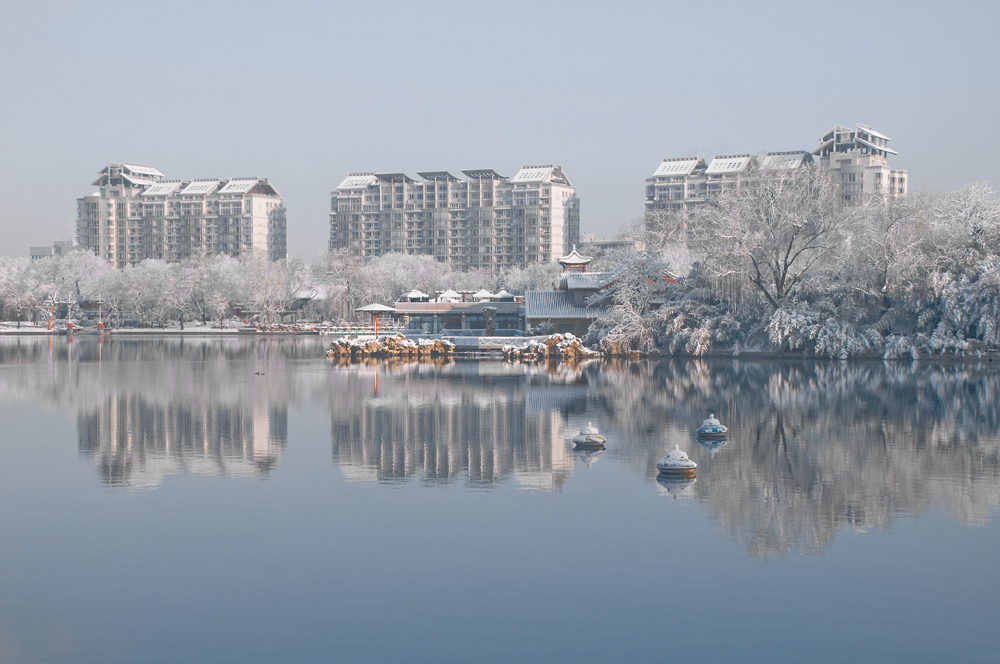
(574, 262)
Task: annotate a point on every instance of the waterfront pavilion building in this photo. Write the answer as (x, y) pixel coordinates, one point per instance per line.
(485, 220)
(137, 214)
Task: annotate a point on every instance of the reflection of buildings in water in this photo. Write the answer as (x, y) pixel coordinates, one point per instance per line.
(135, 442)
(443, 428)
(150, 406)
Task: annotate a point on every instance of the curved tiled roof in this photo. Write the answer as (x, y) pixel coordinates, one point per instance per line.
(557, 304)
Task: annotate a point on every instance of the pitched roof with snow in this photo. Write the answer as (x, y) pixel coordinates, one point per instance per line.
(162, 188)
(239, 186)
(548, 173)
(776, 161)
(733, 163)
(545, 305)
(677, 167)
(357, 181)
(586, 280)
(574, 258)
(199, 188)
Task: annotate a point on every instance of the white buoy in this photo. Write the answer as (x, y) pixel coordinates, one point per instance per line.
(677, 463)
(589, 436)
(712, 428)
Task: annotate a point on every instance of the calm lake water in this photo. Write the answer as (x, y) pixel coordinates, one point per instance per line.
(246, 500)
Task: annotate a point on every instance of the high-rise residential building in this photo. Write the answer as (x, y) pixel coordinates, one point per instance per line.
(483, 221)
(137, 214)
(857, 156)
(685, 182)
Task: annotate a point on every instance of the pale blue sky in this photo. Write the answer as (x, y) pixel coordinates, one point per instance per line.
(305, 92)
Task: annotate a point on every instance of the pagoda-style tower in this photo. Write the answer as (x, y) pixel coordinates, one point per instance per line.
(574, 262)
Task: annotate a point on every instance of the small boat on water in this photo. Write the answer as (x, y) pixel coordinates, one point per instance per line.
(712, 428)
(676, 463)
(589, 436)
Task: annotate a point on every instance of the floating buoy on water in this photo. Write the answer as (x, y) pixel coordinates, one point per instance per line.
(677, 463)
(589, 436)
(712, 428)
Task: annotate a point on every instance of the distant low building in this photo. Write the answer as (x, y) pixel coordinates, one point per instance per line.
(598, 248)
(58, 248)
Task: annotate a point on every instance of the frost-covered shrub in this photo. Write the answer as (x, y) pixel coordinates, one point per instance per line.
(898, 347)
(813, 333)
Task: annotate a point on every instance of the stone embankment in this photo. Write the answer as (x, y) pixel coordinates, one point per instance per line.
(555, 347)
(396, 346)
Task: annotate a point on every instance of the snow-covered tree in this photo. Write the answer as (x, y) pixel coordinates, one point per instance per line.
(883, 248)
(535, 276)
(773, 228)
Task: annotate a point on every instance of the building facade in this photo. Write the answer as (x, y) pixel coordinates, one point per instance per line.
(58, 248)
(681, 184)
(857, 156)
(137, 214)
(483, 221)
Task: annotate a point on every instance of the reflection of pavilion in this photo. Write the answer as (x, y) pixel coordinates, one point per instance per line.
(136, 442)
(442, 429)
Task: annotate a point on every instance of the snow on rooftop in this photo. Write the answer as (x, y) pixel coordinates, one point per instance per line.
(199, 187)
(728, 164)
(239, 186)
(162, 188)
(140, 169)
(357, 181)
(547, 173)
(868, 130)
(532, 174)
(546, 305)
(676, 166)
(783, 160)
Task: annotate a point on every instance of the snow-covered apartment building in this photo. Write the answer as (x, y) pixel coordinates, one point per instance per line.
(857, 155)
(485, 220)
(137, 214)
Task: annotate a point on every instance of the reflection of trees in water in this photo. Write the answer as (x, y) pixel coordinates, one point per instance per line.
(816, 447)
(477, 422)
